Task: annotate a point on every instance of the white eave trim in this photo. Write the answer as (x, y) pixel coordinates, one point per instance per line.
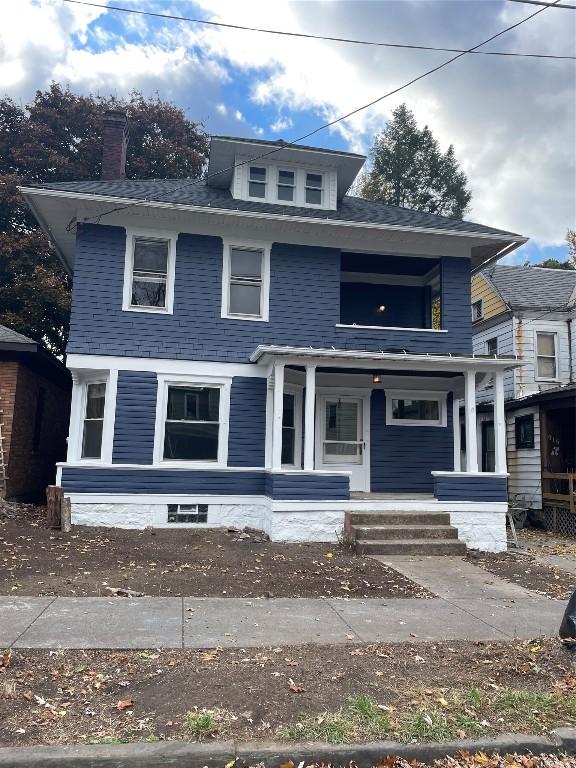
(132, 203)
(448, 361)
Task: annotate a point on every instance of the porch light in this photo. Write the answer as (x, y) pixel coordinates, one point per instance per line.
(376, 378)
(381, 309)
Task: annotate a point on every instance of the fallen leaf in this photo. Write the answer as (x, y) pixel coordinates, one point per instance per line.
(28, 695)
(6, 657)
(124, 704)
(169, 724)
(295, 688)
(329, 555)
(288, 764)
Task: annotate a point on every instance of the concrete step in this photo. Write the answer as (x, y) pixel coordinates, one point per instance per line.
(410, 547)
(397, 532)
(399, 518)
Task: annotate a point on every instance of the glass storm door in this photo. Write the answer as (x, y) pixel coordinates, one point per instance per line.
(341, 435)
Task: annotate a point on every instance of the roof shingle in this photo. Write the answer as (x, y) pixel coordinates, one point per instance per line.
(532, 287)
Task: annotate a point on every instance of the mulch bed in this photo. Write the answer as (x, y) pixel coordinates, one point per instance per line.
(37, 561)
(57, 697)
(526, 572)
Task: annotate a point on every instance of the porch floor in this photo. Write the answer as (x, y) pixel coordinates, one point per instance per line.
(367, 496)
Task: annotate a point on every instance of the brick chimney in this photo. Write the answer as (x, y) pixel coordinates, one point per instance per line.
(114, 144)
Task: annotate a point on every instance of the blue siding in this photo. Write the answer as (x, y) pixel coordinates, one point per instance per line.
(90, 480)
(308, 487)
(459, 488)
(247, 436)
(135, 416)
(304, 305)
(402, 458)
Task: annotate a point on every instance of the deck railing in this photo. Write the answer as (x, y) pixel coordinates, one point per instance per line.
(558, 490)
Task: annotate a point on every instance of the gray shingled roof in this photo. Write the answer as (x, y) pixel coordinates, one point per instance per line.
(8, 336)
(532, 287)
(350, 209)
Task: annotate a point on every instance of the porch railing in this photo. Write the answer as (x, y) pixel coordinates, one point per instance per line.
(558, 490)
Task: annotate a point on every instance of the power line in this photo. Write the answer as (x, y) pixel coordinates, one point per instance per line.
(541, 2)
(312, 36)
(325, 125)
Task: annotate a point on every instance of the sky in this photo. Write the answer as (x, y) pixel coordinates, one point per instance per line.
(511, 120)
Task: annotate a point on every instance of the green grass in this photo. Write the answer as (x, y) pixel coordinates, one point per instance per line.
(205, 723)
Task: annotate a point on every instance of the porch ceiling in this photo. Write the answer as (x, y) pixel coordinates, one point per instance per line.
(394, 361)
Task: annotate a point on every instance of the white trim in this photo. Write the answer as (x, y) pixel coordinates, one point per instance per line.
(470, 421)
(166, 366)
(415, 394)
(354, 326)
(277, 415)
(131, 235)
(309, 416)
(456, 437)
(393, 505)
(241, 184)
(296, 391)
(77, 413)
(554, 334)
(162, 498)
(100, 465)
(164, 381)
(242, 244)
(513, 239)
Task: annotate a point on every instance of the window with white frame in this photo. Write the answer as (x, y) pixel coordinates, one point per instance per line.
(492, 346)
(286, 185)
(192, 423)
(149, 273)
(245, 281)
(546, 356)
(477, 310)
(314, 188)
(416, 408)
(93, 419)
(257, 181)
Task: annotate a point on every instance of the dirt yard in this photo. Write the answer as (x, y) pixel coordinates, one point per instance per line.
(421, 691)
(200, 563)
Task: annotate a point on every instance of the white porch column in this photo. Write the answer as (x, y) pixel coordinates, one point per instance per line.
(470, 408)
(309, 416)
(456, 430)
(277, 414)
(499, 423)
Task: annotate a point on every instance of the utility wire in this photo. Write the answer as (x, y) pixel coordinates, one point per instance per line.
(315, 37)
(293, 142)
(541, 2)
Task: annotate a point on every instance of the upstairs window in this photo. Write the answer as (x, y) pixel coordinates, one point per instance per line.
(492, 346)
(286, 185)
(257, 182)
(314, 188)
(546, 363)
(149, 273)
(93, 425)
(245, 279)
(477, 310)
(192, 425)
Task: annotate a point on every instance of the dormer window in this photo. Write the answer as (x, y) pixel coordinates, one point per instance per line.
(257, 182)
(314, 188)
(286, 184)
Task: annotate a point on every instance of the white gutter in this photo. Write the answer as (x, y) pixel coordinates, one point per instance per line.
(502, 252)
(344, 354)
(132, 203)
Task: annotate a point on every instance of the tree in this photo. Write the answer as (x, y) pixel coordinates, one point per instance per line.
(554, 264)
(58, 137)
(571, 240)
(408, 169)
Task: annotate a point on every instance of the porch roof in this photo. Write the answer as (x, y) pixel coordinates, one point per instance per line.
(347, 358)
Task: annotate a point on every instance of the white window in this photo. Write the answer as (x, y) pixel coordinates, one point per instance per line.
(149, 273)
(286, 186)
(292, 428)
(245, 281)
(314, 189)
(257, 182)
(423, 409)
(192, 421)
(546, 356)
(492, 346)
(477, 310)
(93, 423)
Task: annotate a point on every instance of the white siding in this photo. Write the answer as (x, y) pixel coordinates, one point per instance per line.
(503, 331)
(525, 330)
(573, 346)
(525, 480)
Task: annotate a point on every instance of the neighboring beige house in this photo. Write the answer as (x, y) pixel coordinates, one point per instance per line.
(529, 312)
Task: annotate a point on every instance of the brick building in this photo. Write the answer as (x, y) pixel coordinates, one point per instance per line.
(34, 412)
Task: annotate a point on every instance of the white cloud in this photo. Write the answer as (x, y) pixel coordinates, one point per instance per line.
(511, 120)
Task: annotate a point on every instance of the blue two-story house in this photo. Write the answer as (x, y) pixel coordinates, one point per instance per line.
(261, 349)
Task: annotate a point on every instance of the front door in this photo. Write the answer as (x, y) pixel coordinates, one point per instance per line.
(488, 447)
(341, 439)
